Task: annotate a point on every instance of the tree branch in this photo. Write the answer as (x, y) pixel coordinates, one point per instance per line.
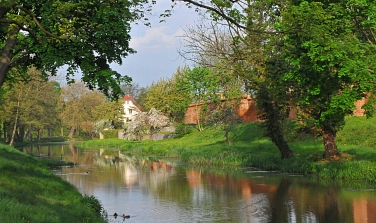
(21, 26)
(223, 15)
(226, 17)
(38, 24)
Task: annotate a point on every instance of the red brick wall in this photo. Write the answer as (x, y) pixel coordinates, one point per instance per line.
(248, 111)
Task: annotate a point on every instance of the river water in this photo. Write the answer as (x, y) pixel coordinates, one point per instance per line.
(156, 190)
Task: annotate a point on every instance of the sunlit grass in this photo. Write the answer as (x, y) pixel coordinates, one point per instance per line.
(29, 192)
(250, 148)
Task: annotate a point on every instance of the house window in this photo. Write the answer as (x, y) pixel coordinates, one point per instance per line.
(130, 111)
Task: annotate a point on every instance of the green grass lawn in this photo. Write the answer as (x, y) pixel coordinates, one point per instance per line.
(29, 192)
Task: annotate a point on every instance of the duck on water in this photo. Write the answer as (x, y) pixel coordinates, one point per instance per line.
(124, 216)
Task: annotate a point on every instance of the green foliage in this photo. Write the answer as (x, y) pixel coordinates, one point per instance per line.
(84, 35)
(30, 106)
(110, 134)
(93, 203)
(88, 110)
(226, 116)
(332, 58)
(183, 129)
(169, 96)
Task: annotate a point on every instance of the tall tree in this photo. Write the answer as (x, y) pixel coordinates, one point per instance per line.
(30, 106)
(78, 105)
(202, 84)
(84, 35)
(241, 55)
(167, 96)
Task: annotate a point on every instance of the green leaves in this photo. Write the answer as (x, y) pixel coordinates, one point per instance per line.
(73, 33)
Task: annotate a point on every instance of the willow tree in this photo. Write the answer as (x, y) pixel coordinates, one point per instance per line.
(84, 35)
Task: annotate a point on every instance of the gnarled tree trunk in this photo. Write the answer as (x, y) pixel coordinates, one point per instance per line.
(7, 55)
(329, 139)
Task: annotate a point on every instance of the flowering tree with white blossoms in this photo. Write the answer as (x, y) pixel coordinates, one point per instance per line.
(146, 123)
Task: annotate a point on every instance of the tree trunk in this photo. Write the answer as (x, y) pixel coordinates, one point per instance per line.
(15, 120)
(5, 130)
(1, 128)
(62, 131)
(70, 135)
(7, 55)
(331, 150)
(273, 115)
(227, 129)
(282, 145)
(198, 115)
(21, 134)
(38, 132)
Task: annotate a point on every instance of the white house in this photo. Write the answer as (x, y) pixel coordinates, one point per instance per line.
(131, 108)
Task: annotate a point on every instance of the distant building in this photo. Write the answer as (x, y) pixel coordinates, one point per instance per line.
(131, 108)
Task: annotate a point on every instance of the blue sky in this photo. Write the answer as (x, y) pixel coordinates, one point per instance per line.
(157, 46)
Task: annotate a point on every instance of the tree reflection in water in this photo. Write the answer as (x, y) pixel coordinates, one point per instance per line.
(149, 189)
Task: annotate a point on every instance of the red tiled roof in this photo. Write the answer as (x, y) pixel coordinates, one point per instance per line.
(129, 98)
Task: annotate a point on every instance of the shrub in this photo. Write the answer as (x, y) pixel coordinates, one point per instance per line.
(183, 129)
(93, 203)
(110, 134)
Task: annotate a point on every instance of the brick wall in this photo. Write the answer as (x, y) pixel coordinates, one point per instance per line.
(248, 111)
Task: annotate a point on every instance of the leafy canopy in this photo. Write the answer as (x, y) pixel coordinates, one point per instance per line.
(84, 35)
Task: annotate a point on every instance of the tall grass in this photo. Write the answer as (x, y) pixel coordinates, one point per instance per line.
(29, 192)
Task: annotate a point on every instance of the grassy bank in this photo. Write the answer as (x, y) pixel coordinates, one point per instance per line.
(29, 192)
(249, 148)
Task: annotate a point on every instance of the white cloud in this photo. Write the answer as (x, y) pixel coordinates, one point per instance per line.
(157, 38)
(157, 46)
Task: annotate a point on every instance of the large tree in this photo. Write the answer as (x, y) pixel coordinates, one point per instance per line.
(243, 53)
(331, 47)
(84, 35)
(169, 97)
(78, 106)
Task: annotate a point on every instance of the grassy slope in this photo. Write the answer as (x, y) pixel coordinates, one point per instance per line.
(356, 140)
(29, 192)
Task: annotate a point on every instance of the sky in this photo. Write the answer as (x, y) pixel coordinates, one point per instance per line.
(157, 46)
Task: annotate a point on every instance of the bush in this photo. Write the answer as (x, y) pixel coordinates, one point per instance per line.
(93, 203)
(183, 129)
(110, 134)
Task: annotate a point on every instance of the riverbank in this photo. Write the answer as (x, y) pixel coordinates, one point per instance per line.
(29, 192)
(250, 149)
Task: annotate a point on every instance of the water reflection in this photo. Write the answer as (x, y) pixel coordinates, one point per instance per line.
(151, 190)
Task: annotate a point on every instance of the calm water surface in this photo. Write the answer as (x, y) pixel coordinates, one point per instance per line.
(151, 190)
